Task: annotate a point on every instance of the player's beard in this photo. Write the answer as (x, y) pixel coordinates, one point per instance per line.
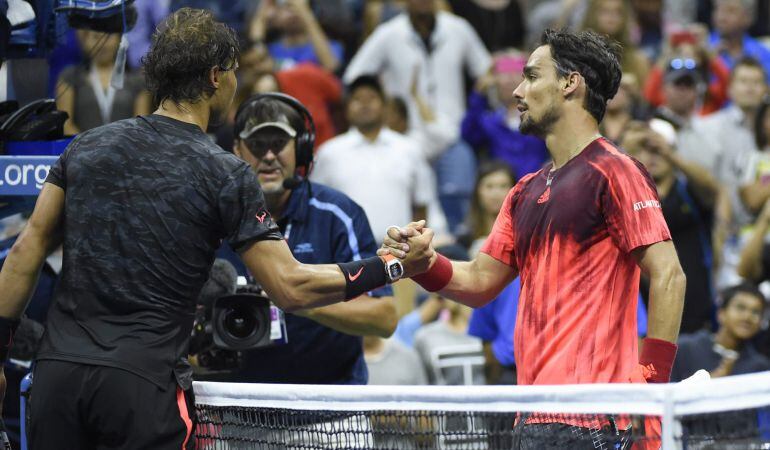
(541, 127)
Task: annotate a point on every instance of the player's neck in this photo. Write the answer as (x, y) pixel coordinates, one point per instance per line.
(569, 138)
(195, 113)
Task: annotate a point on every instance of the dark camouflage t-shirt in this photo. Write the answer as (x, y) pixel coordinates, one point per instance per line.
(148, 202)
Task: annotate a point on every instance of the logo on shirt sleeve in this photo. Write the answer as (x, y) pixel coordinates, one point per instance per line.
(638, 206)
(261, 217)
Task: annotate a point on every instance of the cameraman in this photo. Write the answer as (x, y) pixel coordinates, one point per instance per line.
(273, 133)
(148, 202)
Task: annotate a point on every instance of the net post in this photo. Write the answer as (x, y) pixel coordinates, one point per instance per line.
(668, 441)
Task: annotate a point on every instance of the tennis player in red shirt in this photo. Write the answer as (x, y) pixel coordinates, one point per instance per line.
(578, 233)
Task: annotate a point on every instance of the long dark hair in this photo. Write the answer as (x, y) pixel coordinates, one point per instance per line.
(477, 218)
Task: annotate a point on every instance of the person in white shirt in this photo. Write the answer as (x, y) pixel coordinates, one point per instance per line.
(380, 169)
(437, 49)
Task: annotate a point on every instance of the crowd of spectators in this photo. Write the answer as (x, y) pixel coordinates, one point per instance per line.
(415, 115)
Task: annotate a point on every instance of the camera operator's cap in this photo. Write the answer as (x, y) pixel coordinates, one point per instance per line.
(281, 122)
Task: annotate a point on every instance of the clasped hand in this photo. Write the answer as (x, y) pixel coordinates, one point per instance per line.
(412, 244)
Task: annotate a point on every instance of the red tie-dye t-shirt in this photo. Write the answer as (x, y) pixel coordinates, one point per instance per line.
(572, 246)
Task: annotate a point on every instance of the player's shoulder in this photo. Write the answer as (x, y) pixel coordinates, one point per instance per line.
(523, 183)
(609, 160)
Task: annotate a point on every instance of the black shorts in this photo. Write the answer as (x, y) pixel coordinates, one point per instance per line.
(78, 406)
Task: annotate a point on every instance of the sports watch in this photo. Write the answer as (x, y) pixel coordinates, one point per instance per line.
(394, 270)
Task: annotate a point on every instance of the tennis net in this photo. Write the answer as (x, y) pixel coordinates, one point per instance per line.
(730, 413)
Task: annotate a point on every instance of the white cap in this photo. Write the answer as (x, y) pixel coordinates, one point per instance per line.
(282, 123)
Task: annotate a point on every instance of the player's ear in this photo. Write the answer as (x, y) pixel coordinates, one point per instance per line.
(571, 83)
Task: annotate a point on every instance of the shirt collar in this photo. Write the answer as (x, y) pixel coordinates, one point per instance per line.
(297, 208)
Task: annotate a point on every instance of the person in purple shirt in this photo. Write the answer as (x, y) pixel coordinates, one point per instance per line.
(492, 122)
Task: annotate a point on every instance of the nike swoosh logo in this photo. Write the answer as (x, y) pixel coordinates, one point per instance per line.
(352, 277)
(262, 217)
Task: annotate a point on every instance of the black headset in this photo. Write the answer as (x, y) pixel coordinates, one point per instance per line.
(305, 139)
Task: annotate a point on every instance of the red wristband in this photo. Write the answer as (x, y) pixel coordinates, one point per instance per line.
(657, 358)
(437, 277)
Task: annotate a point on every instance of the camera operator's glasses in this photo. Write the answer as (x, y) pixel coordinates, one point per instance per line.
(260, 145)
(683, 63)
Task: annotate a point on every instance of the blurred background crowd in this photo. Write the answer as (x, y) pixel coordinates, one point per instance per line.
(436, 78)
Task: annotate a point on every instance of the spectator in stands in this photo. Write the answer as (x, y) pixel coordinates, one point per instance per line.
(649, 17)
(494, 324)
(733, 130)
(621, 109)
(449, 354)
(729, 350)
(500, 24)
(491, 123)
(149, 14)
(377, 12)
(731, 21)
(320, 225)
(756, 190)
(427, 311)
(431, 137)
(689, 196)
(614, 18)
(755, 258)
(84, 91)
(317, 88)
(300, 37)
(688, 48)
(232, 12)
(392, 363)
(375, 166)
(443, 48)
(493, 181)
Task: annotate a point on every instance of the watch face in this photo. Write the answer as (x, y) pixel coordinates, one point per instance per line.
(396, 270)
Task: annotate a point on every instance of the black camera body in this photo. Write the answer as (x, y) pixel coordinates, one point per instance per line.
(241, 322)
(233, 323)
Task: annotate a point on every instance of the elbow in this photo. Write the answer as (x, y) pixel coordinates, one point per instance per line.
(678, 280)
(389, 321)
(288, 296)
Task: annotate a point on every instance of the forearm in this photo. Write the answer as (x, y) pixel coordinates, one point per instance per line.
(362, 316)
(310, 286)
(750, 265)
(666, 304)
(754, 196)
(19, 276)
(468, 285)
(700, 178)
(322, 47)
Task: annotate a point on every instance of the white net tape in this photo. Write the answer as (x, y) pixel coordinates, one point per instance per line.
(670, 402)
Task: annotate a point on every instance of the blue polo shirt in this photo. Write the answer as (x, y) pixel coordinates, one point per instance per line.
(321, 226)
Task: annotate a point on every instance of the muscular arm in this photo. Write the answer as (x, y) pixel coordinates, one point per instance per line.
(293, 285)
(667, 284)
(475, 283)
(22, 266)
(289, 283)
(362, 316)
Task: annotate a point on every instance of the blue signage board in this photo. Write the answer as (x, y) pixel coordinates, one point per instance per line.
(24, 175)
